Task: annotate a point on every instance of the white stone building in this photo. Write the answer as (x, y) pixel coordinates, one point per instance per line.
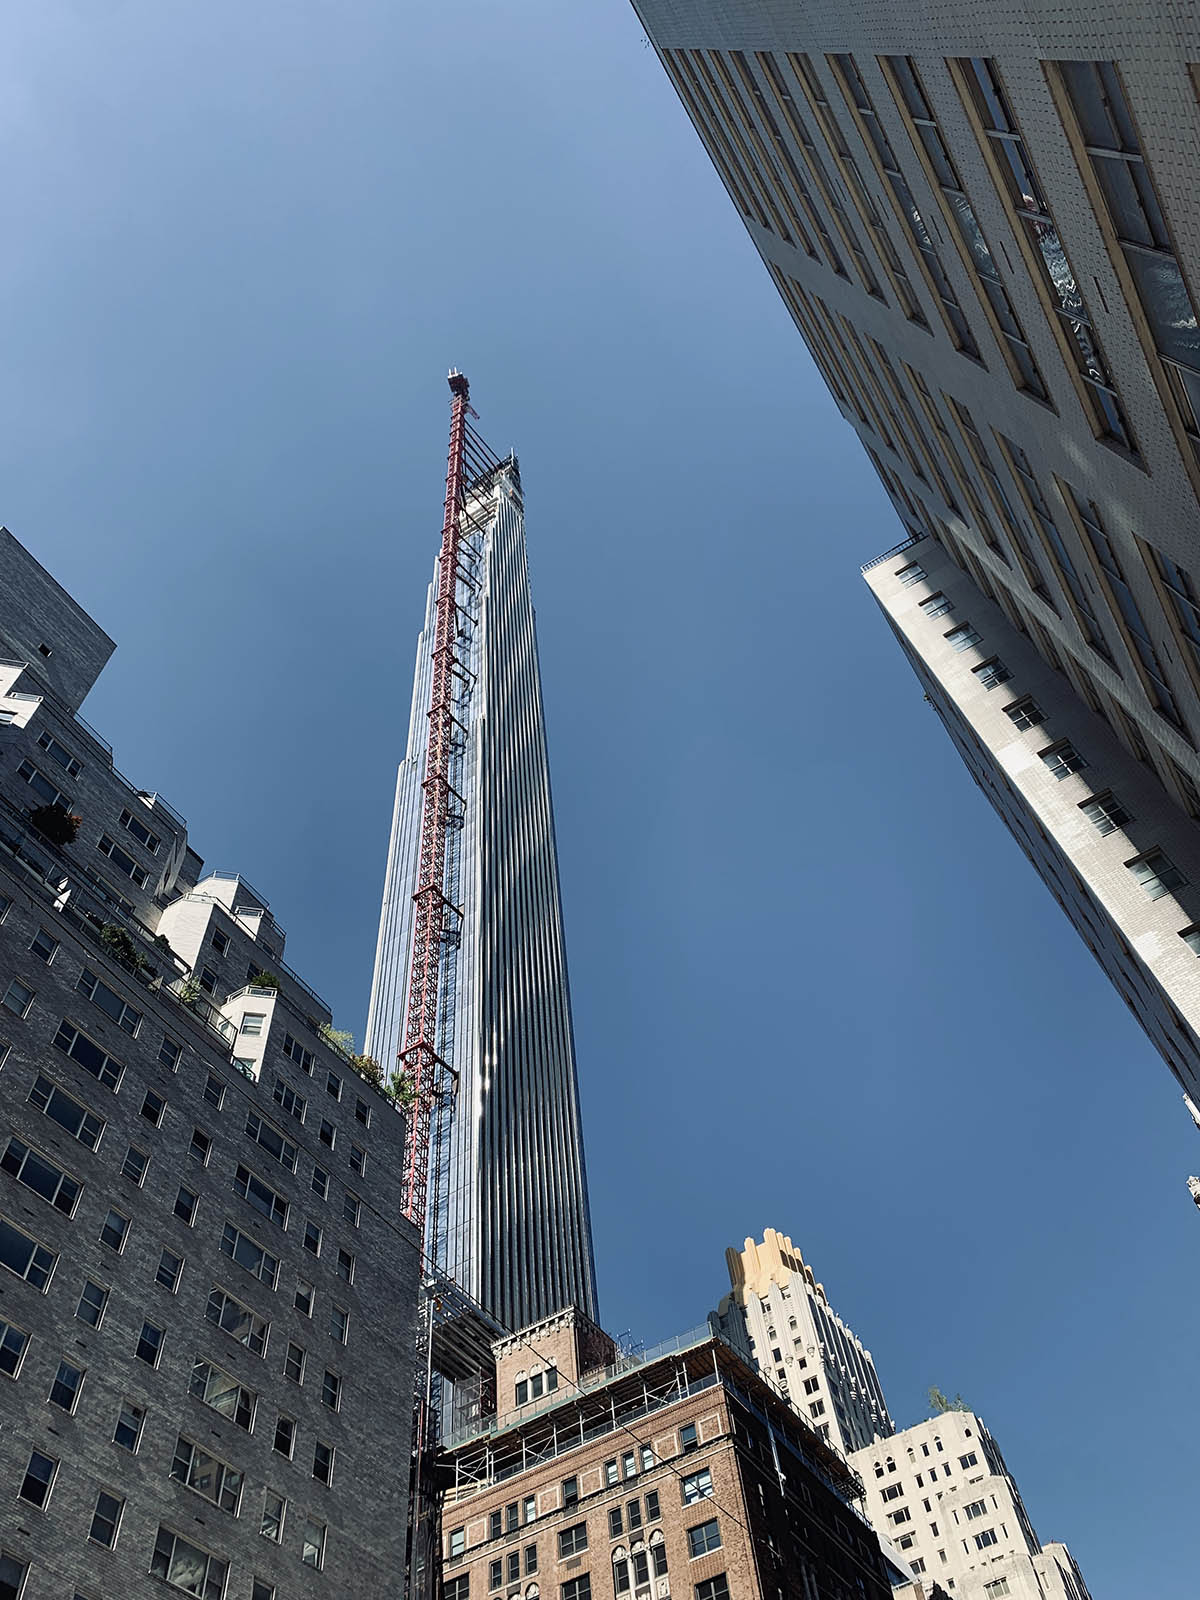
(778, 1313)
(940, 1491)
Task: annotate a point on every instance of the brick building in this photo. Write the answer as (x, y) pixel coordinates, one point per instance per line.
(675, 1472)
(206, 1302)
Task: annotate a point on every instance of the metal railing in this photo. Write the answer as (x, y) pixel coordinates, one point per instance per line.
(898, 549)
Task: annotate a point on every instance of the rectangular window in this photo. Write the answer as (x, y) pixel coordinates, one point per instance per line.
(304, 1298)
(1156, 874)
(115, 1231)
(38, 1481)
(271, 1140)
(92, 1302)
(578, 1588)
(351, 1207)
(977, 1508)
(914, 572)
(969, 1460)
(303, 1058)
(986, 1538)
(88, 1055)
(18, 998)
(200, 1147)
(237, 1320)
(46, 792)
(1062, 759)
(652, 1507)
(60, 753)
(900, 1516)
(1035, 227)
(713, 1588)
(615, 1525)
(331, 1391)
(312, 1545)
(339, 1322)
(689, 1438)
(570, 1492)
(572, 1540)
(294, 1104)
(44, 946)
(250, 1256)
(333, 1085)
(1105, 813)
(212, 1479)
(962, 637)
(704, 1537)
(139, 830)
(697, 1486)
(937, 605)
(106, 1519)
(322, 1467)
(261, 1196)
(345, 1266)
(293, 1363)
(128, 1431)
(187, 1567)
(150, 1343)
(993, 673)
(56, 1104)
(68, 1381)
(186, 1202)
(457, 1588)
(43, 1176)
(223, 1393)
(214, 1091)
(327, 1133)
(110, 1002)
(169, 1054)
(1025, 713)
(312, 1238)
(252, 1022)
(274, 1513)
(362, 1112)
(122, 860)
(170, 1266)
(285, 1435)
(153, 1107)
(997, 1588)
(358, 1159)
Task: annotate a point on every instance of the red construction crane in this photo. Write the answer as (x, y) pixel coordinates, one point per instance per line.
(433, 914)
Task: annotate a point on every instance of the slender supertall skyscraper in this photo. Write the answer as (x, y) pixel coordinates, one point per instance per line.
(508, 1212)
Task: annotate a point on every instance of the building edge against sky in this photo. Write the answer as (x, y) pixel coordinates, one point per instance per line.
(518, 1227)
(988, 240)
(208, 1317)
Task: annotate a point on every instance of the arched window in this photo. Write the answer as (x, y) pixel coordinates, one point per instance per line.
(891, 1465)
(621, 1578)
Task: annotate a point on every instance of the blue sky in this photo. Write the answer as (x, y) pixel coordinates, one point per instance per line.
(816, 985)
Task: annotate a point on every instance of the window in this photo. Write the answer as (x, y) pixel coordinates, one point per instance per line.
(969, 1460)
(529, 1509)
(1105, 812)
(578, 1588)
(914, 572)
(689, 1438)
(1156, 874)
(615, 1525)
(128, 1430)
(962, 637)
(992, 673)
(345, 1266)
(457, 1588)
(207, 980)
(811, 1385)
(531, 1560)
(303, 1058)
(1025, 713)
(223, 1393)
(697, 1486)
(69, 1114)
(496, 1574)
(169, 1053)
(362, 1112)
(312, 1238)
(210, 1478)
(220, 942)
(918, 1564)
(237, 1320)
(250, 1256)
(817, 1408)
(713, 1588)
(170, 1266)
(46, 792)
(89, 1056)
(572, 1540)
(59, 752)
(271, 1140)
(977, 1508)
(285, 1435)
(633, 1512)
(214, 1091)
(150, 1343)
(261, 1196)
(652, 1508)
(1062, 759)
(106, 1519)
(339, 1322)
(351, 1208)
(331, 1391)
(495, 1525)
(322, 1467)
(513, 1564)
(704, 1537)
(900, 1516)
(262, 1590)
(327, 1133)
(115, 1231)
(333, 1085)
(38, 1479)
(986, 1538)
(893, 1491)
(18, 998)
(570, 1492)
(312, 1547)
(252, 1022)
(92, 1302)
(294, 1104)
(358, 1159)
(997, 1587)
(153, 1107)
(320, 1182)
(273, 1513)
(304, 1298)
(110, 1002)
(24, 1256)
(186, 1202)
(44, 946)
(1035, 227)
(41, 1175)
(187, 1567)
(937, 605)
(1125, 187)
(293, 1363)
(122, 860)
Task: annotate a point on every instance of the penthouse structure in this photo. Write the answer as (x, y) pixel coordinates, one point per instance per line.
(207, 1296)
(987, 234)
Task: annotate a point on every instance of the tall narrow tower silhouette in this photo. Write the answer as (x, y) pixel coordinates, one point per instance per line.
(507, 1214)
